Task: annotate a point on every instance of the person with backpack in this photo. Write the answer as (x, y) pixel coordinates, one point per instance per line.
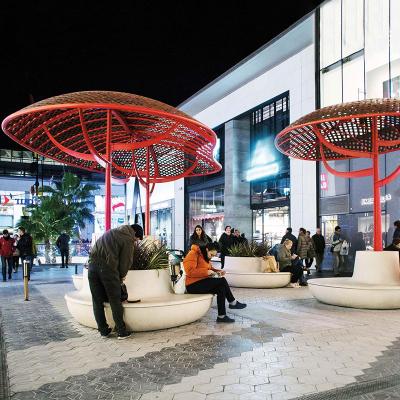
(6, 253)
(289, 235)
(63, 245)
(25, 247)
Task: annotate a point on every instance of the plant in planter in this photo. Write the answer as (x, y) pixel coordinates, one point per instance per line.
(245, 257)
(149, 255)
(251, 249)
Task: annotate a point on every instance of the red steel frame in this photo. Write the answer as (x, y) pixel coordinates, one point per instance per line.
(320, 141)
(106, 161)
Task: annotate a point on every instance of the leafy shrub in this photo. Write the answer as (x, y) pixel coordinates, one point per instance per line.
(149, 255)
(248, 249)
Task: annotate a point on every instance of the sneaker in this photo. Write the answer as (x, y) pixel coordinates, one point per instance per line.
(225, 319)
(125, 335)
(106, 333)
(304, 283)
(238, 306)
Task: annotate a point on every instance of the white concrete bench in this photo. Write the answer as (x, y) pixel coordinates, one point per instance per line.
(246, 272)
(159, 307)
(77, 280)
(375, 283)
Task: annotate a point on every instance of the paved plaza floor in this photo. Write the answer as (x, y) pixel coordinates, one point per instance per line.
(284, 345)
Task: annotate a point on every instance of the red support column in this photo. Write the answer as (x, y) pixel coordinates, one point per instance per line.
(377, 191)
(147, 219)
(108, 174)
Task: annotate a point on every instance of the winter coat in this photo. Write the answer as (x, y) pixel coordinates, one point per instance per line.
(291, 237)
(63, 241)
(113, 252)
(226, 241)
(196, 267)
(284, 257)
(6, 246)
(396, 234)
(194, 239)
(303, 245)
(25, 245)
(319, 243)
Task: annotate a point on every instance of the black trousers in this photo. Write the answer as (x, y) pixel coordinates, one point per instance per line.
(7, 262)
(296, 270)
(64, 258)
(218, 286)
(222, 261)
(106, 288)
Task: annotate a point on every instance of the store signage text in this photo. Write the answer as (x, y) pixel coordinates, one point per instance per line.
(324, 182)
(370, 201)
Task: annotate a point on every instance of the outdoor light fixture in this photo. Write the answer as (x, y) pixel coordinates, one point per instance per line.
(262, 171)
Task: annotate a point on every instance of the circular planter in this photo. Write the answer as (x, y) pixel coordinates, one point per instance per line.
(375, 283)
(242, 264)
(159, 307)
(258, 280)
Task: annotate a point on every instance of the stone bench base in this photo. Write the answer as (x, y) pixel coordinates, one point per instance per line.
(149, 314)
(258, 280)
(346, 292)
(77, 280)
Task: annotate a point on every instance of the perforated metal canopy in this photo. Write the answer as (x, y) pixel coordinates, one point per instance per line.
(343, 131)
(72, 129)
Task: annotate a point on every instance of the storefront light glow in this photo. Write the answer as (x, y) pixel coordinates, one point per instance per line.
(262, 171)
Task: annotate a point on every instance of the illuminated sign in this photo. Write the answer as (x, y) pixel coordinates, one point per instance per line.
(262, 171)
(370, 201)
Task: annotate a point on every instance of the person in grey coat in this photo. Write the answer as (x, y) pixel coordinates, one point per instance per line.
(109, 262)
(337, 243)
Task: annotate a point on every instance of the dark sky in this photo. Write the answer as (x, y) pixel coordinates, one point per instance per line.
(166, 50)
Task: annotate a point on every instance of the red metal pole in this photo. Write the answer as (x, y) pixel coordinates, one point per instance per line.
(147, 219)
(108, 174)
(377, 191)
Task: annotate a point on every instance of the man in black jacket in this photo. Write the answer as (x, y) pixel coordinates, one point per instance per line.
(289, 235)
(319, 246)
(395, 246)
(109, 262)
(25, 247)
(63, 245)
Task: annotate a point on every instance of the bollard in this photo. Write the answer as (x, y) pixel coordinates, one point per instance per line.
(26, 288)
(76, 269)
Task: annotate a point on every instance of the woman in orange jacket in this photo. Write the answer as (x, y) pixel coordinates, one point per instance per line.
(202, 278)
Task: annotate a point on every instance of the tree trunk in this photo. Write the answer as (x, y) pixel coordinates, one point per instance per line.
(47, 249)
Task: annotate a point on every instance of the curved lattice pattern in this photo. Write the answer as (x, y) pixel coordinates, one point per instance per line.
(72, 129)
(343, 131)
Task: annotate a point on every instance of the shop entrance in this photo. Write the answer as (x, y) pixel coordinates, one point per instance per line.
(269, 224)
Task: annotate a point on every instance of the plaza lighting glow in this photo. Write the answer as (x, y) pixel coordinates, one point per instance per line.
(262, 171)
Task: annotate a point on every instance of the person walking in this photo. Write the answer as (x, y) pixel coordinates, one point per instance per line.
(396, 233)
(6, 253)
(226, 241)
(303, 245)
(202, 278)
(289, 235)
(337, 242)
(289, 262)
(16, 254)
(199, 237)
(63, 245)
(109, 262)
(25, 247)
(319, 247)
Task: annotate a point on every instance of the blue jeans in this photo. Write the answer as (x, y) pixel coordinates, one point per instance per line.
(7, 262)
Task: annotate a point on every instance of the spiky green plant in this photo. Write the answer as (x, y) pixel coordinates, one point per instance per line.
(149, 255)
(248, 249)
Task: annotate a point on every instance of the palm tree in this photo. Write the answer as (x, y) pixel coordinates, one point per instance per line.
(63, 207)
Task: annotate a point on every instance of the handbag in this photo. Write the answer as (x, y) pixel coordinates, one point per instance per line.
(124, 292)
(180, 285)
(269, 264)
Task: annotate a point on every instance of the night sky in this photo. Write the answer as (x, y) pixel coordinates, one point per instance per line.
(163, 50)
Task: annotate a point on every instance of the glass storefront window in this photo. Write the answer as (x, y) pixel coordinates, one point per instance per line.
(269, 224)
(161, 226)
(330, 32)
(353, 80)
(206, 208)
(331, 86)
(352, 26)
(376, 47)
(331, 185)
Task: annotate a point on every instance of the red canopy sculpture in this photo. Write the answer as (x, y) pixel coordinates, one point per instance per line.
(120, 134)
(361, 129)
